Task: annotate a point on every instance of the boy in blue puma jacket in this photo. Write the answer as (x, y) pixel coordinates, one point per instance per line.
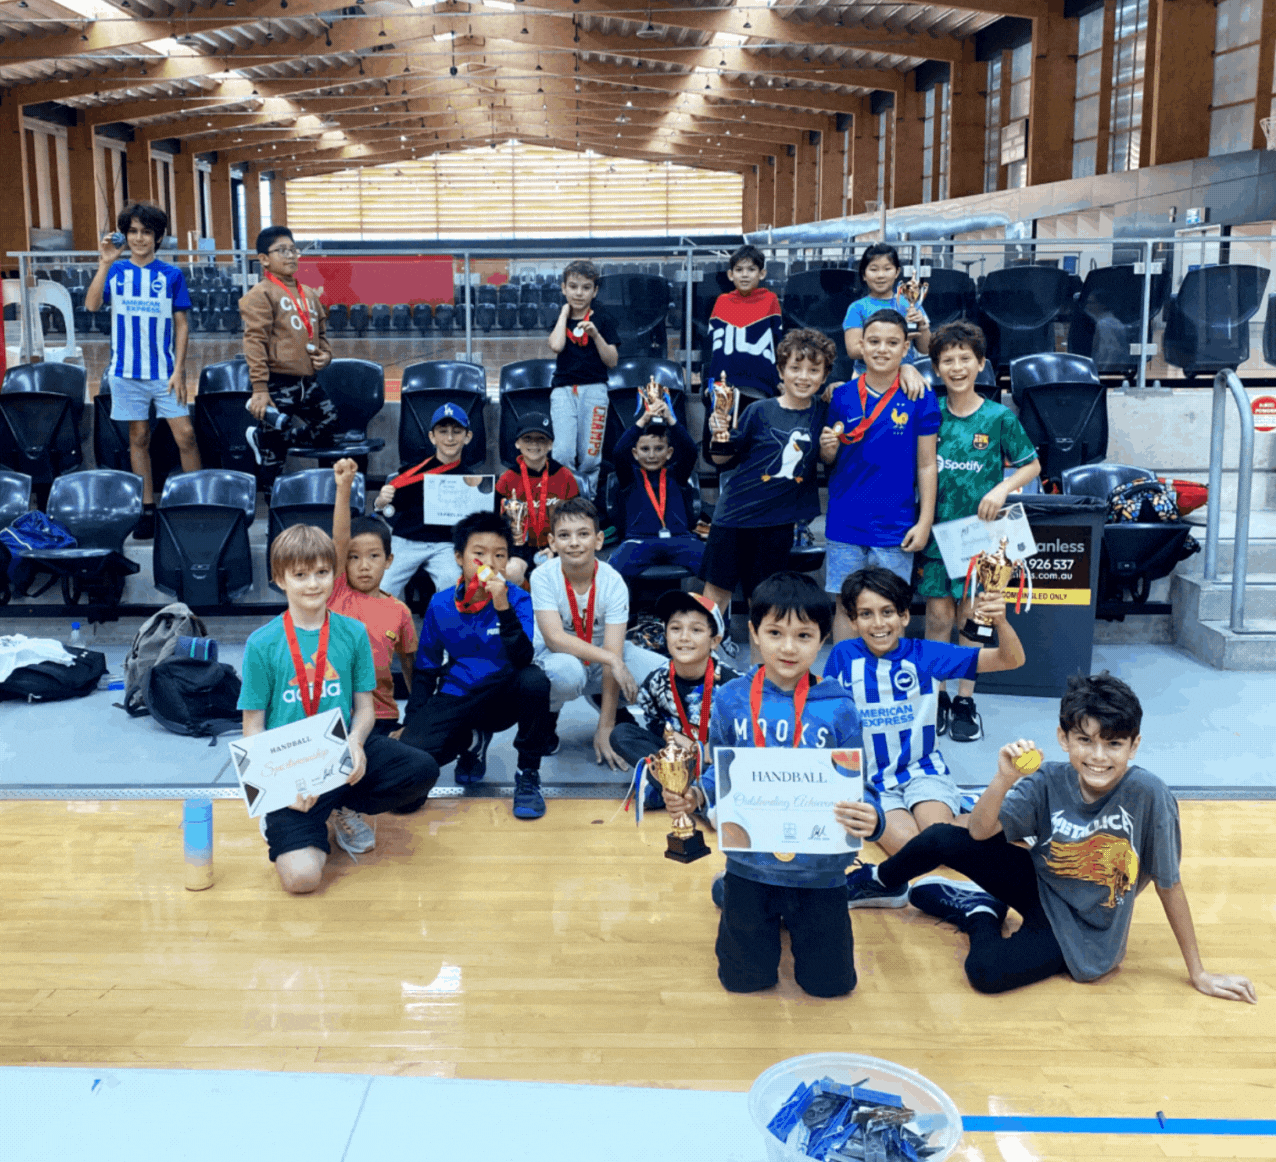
(789, 620)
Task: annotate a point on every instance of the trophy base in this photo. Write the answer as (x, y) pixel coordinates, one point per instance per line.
(688, 849)
(985, 635)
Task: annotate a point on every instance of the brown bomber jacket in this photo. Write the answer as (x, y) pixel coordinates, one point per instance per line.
(275, 337)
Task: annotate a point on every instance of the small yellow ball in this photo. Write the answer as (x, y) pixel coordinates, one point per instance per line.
(1028, 762)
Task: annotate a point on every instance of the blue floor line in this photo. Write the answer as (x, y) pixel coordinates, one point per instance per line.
(1255, 1127)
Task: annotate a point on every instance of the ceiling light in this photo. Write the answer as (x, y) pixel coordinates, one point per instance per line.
(649, 31)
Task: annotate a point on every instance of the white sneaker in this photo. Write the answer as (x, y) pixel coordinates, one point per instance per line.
(352, 833)
(250, 438)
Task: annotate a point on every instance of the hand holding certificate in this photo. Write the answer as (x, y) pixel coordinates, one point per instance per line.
(791, 802)
(290, 766)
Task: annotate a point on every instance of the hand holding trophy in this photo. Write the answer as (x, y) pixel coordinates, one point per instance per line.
(674, 768)
(914, 292)
(725, 405)
(992, 573)
(515, 511)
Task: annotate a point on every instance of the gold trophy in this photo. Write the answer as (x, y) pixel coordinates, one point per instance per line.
(724, 406)
(515, 511)
(914, 292)
(991, 573)
(674, 769)
(652, 394)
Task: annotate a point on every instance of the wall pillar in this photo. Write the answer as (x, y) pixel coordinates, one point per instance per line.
(1050, 104)
(185, 209)
(832, 172)
(137, 169)
(1180, 82)
(84, 224)
(749, 200)
(279, 201)
(252, 203)
(910, 120)
(968, 110)
(785, 185)
(220, 209)
(13, 187)
(863, 158)
(806, 201)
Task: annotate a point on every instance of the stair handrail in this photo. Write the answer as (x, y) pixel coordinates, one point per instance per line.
(1224, 382)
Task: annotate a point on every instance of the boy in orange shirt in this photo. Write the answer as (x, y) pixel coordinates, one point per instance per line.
(363, 555)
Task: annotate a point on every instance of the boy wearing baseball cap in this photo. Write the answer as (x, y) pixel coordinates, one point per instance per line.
(534, 485)
(416, 542)
(678, 696)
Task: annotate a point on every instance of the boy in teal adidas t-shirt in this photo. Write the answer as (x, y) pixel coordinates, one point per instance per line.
(978, 440)
(388, 775)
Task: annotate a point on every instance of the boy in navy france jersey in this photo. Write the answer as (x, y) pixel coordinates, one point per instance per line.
(979, 440)
(586, 344)
(474, 673)
(881, 448)
(1097, 830)
(774, 450)
(745, 327)
(678, 697)
(655, 458)
(149, 329)
(781, 704)
(304, 662)
(894, 681)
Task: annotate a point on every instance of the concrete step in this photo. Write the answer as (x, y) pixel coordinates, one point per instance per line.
(1202, 600)
(1262, 541)
(1214, 643)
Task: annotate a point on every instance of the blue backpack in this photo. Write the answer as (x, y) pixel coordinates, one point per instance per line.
(32, 532)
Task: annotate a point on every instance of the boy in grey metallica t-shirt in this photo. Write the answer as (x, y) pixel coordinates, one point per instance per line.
(1098, 830)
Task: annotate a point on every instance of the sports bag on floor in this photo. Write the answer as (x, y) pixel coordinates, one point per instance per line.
(155, 641)
(194, 697)
(54, 681)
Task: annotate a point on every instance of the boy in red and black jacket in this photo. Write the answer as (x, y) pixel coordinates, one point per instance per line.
(538, 481)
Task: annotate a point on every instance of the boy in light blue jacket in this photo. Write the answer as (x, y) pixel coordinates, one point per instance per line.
(782, 704)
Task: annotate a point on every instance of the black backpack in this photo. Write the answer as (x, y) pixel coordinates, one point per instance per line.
(53, 682)
(193, 697)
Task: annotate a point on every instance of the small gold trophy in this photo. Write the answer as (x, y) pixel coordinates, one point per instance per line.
(724, 406)
(515, 511)
(914, 292)
(674, 769)
(991, 573)
(652, 394)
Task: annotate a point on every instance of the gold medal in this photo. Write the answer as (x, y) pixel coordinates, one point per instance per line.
(784, 856)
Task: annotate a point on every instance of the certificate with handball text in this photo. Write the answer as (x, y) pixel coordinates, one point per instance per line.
(446, 499)
(780, 800)
(307, 757)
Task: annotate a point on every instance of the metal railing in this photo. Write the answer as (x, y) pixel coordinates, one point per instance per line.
(1225, 382)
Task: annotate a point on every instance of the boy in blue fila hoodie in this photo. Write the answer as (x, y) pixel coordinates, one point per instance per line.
(781, 703)
(474, 674)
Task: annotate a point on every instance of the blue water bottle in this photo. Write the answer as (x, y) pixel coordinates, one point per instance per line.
(197, 837)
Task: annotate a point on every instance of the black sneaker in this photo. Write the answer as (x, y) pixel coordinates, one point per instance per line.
(953, 901)
(472, 765)
(718, 889)
(965, 725)
(529, 803)
(145, 530)
(554, 742)
(945, 711)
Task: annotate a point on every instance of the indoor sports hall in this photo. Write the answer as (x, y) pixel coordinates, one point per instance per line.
(1091, 184)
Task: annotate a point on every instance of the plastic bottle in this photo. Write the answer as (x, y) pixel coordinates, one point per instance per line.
(197, 835)
(76, 638)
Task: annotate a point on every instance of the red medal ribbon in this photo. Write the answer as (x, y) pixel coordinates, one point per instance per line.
(584, 630)
(412, 475)
(300, 304)
(755, 706)
(702, 735)
(470, 601)
(310, 695)
(658, 505)
(856, 434)
(571, 331)
(537, 517)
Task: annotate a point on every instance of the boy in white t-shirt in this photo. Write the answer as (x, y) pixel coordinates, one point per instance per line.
(581, 606)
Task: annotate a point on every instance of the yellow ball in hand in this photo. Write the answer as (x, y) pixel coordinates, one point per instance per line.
(1028, 762)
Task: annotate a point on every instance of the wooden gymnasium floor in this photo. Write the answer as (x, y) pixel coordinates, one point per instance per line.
(470, 945)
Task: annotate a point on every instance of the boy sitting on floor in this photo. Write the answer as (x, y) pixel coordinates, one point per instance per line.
(1097, 829)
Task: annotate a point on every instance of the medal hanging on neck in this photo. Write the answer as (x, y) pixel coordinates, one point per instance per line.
(701, 735)
(475, 595)
(661, 504)
(856, 434)
(300, 304)
(537, 517)
(310, 695)
(584, 630)
(577, 334)
(755, 706)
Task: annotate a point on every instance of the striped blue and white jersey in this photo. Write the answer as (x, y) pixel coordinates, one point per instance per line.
(898, 701)
(142, 301)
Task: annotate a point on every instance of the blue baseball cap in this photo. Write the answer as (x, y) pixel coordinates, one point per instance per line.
(449, 411)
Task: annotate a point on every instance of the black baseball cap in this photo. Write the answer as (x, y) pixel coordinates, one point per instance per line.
(534, 422)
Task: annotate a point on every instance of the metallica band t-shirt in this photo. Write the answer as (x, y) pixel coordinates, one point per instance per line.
(1092, 859)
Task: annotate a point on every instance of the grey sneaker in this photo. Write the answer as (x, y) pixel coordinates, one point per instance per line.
(863, 891)
(352, 833)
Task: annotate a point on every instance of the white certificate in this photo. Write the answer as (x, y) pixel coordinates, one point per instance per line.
(307, 757)
(446, 499)
(781, 799)
(959, 540)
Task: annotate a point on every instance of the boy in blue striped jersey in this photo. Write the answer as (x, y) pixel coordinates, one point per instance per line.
(895, 682)
(148, 301)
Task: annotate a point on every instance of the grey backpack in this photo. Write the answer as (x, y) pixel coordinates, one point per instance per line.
(155, 641)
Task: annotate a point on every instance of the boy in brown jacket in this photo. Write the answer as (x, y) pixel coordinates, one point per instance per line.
(285, 345)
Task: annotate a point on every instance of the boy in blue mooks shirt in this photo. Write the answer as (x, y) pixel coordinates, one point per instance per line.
(895, 681)
(782, 704)
(149, 329)
(306, 661)
(881, 446)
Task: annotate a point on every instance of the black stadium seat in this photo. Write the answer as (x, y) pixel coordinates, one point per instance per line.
(1019, 306)
(525, 387)
(422, 318)
(507, 316)
(1207, 322)
(1063, 408)
(359, 318)
(357, 388)
(15, 499)
(40, 408)
(306, 498)
(428, 385)
(338, 319)
(202, 553)
(444, 318)
(381, 319)
(221, 419)
(400, 317)
(529, 316)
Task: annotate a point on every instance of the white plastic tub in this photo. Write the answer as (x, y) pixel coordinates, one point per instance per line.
(773, 1088)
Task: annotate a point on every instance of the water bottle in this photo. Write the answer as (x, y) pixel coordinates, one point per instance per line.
(273, 418)
(76, 638)
(197, 841)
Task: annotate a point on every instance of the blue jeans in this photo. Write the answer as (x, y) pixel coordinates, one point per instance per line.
(841, 560)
